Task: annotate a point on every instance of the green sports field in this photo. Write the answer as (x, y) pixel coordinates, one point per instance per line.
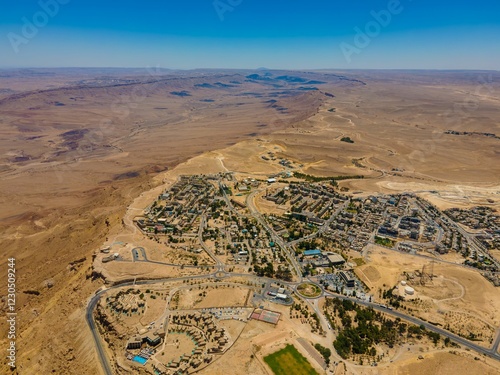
(288, 361)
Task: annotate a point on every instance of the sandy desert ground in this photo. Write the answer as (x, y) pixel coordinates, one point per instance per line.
(77, 148)
(457, 296)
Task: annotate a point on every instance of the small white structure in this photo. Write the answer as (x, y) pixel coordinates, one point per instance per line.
(409, 290)
(271, 180)
(403, 282)
(281, 296)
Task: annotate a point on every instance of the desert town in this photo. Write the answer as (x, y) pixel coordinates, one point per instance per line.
(303, 217)
(255, 249)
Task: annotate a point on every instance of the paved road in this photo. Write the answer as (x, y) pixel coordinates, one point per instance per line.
(312, 352)
(491, 352)
(220, 273)
(219, 263)
(474, 242)
(89, 316)
(429, 257)
(470, 237)
(275, 237)
(496, 343)
(136, 256)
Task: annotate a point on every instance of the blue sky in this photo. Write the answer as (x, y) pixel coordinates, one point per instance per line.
(291, 34)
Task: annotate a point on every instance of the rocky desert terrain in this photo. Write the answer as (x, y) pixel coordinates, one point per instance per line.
(78, 146)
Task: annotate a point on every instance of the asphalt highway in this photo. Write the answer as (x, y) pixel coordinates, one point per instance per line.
(220, 273)
(491, 352)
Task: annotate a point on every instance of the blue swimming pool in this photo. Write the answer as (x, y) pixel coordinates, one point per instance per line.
(140, 359)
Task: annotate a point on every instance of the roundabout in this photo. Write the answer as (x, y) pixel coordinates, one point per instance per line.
(309, 290)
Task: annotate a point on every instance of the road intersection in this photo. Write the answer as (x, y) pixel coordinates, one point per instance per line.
(220, 273)
(491, 352)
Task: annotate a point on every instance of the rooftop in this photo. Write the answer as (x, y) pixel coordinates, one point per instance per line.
(312, 252)
(335, 258)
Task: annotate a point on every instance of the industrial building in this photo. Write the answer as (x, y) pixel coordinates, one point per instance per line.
(335, 259)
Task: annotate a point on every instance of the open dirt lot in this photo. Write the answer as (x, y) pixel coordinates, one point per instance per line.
(212, 297)
(177, 344)
(445, 364)
(257, 340)
(452, 298)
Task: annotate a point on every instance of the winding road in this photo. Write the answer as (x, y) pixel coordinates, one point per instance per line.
(219, 274)
(491, 352)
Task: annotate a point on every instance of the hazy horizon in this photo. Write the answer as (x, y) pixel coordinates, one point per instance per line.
(245, 69)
